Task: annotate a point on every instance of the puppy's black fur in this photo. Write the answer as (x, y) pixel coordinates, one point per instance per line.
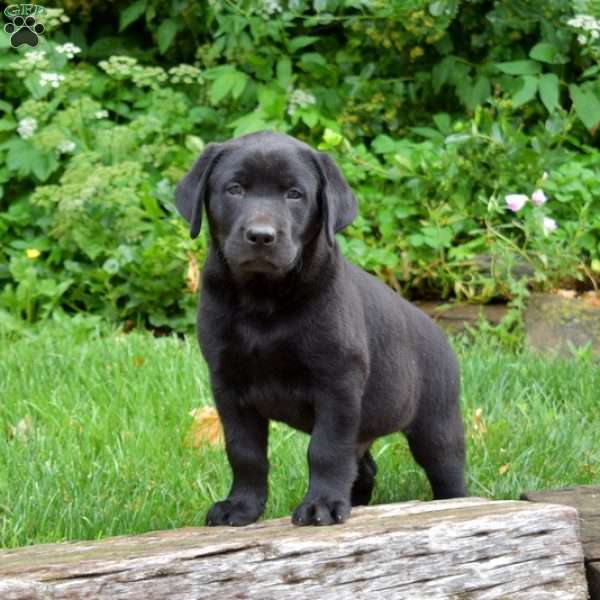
(294, 332)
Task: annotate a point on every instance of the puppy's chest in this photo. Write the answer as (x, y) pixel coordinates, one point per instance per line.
(268, 369)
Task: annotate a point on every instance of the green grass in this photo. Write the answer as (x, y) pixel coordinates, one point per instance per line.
(92, 430)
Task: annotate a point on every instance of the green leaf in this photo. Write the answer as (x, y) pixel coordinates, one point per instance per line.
(51, 289)
(473, 93)
(194, 144)
(220, 88)
(332, 138)
(457, 138)
(43, 164)
(166, 33)
(249, 123)
(428, 132)
(416, 240)
(587, 106)
(403, 212)
(132, 13)
(152, 206)
(591, 71)
(526, 92)
(7, 124)
(519, 67)
(436, 9)
(547, 53)
(239, 84)
(437, 237)
(387, 223)
(301, 42)
(19, 156)
(4, 39)
(284, 71)
(310, 117)
(272, 102)
(481, 91)
(229, 81)
(403, 159)
(549, 91)
(442, 122)
(441, 72)
(313, 61)
(202, 114)
(23, 158)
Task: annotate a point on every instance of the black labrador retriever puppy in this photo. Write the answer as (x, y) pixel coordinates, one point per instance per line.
(294, 332)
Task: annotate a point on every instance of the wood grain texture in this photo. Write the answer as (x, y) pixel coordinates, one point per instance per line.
(586, 499)
(460, 549)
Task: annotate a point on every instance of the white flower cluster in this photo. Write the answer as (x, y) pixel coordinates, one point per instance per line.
(27, 127)
(126, 67)
(270, 7)
(68, 49)
(101, 114)
(185, 74)
(119, 67)
(52, 79)
(148, 76)
(34, 60)
(53, 18)
(299, 99)
(77, 203)
(589, 27)
(66, 147)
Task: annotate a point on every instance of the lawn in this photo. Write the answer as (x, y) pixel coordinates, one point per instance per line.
(93, 428)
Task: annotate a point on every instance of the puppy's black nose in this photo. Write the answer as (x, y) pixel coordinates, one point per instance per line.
(260, 235)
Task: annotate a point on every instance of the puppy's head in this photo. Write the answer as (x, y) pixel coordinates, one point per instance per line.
(266, 196)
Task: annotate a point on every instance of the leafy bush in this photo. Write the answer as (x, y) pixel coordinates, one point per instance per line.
(436, 111)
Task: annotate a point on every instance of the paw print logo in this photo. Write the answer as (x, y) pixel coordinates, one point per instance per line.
(24, 31)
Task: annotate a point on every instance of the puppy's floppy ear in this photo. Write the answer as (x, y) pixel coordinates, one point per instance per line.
(190, 193)
(338, 204)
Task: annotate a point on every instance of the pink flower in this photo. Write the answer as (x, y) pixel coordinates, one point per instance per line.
(516, 202)
(549, 225)
(538, 197)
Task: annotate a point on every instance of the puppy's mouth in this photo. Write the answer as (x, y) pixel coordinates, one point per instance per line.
(265, 265)
(259, 265)
(270, 262)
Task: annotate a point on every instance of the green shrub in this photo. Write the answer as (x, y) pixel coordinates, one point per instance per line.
(436, 111)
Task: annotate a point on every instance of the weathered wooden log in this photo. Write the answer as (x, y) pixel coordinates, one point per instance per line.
(586, 499)
(461, 549)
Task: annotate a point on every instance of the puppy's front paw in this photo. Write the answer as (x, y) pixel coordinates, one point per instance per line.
(321, 511)
(233, 513)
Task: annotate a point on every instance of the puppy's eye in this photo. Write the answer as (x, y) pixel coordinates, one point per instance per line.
(235, 189)
(293, 194)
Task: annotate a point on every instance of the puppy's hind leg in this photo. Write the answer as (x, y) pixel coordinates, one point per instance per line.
(362, 489)
(438, 445)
